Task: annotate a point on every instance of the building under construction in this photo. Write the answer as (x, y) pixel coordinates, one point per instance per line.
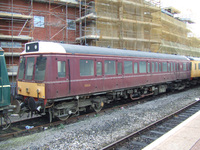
(125, 24)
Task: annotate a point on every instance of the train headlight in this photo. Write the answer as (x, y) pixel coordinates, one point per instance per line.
(19, 89)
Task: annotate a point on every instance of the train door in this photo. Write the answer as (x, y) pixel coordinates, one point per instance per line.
(99, 83)
(1, 85)
(63, 77)
(177, 71)
(149, 72)
(120, 74)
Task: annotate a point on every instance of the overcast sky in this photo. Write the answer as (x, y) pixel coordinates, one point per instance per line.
(189, 9)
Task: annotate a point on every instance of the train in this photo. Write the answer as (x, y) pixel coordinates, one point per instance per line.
(5, 101)
(61, 80)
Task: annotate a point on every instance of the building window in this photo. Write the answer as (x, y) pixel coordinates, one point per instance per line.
(109, 67)
(71, 25)
(61, 65)
(142, 67)
(99, 68)
(128, 67)
(10, 44)
(86, 67)
(119, 68)
(39, 21)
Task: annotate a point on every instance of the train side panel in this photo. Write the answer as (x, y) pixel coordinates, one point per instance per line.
(4, 82)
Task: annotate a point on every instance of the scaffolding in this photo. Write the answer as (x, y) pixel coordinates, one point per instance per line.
(135, 25)
(32, 20)
(124, 24)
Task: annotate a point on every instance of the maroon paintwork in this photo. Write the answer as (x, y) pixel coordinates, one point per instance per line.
(74, 84)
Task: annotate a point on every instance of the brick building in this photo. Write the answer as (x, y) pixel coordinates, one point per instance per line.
(125, 24)
(22, 21)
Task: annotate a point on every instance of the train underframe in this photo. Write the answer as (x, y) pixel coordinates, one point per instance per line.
(63, 108)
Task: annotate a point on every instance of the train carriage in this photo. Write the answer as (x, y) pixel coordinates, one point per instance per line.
(195, 67)
(63, 79)
(5, 105)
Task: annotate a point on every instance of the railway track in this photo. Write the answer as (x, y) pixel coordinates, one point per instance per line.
(38, 124)
(140, 139)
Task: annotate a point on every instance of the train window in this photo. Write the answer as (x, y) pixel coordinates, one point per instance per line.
(109, 66)
(40, 68)
(172, 69)
(119, 68)
(169, 68)
(29, 68)
(135, 68)
(184, 67)
(128, 67)
(160, 68)
(156, 66)
(148, 69)
(164, 66)
(99, 68)
(21, 68)
(142, 67)
(61, 68)
(174, 66)
(153, 66)
(199, 66)
(86, 67)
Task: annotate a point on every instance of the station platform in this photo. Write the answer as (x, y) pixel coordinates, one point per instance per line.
(185, 136)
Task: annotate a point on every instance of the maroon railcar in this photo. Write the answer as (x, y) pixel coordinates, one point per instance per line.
(63, 79)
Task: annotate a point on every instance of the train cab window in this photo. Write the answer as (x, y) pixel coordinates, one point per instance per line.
(160, 67)
(61, 68)
(109, 66)
(40, 68)
(99, 68)
(21, 68)
(128, 67)
(29, 68)
(119, 68)
(142, 67)
(153, 67)
(184, 67)
(135, 68)
(156, 66)
(86, 67)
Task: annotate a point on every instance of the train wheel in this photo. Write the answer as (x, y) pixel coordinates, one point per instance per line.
(64, 118)
(7, 122)
(98, 106)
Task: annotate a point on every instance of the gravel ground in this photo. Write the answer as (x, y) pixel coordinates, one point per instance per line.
(96, 132)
